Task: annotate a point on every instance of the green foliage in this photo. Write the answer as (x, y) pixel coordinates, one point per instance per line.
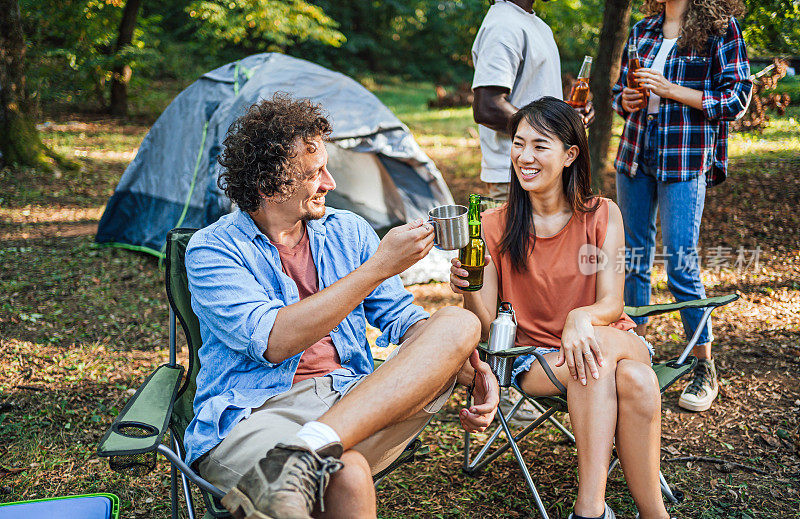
(772, 27)
(576, 26)
(71, 47)
(428, 39)
(432, 39)
(789, 85)
(72, 42)
(263, 24)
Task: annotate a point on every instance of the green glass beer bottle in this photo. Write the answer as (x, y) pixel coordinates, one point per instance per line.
(473, 256)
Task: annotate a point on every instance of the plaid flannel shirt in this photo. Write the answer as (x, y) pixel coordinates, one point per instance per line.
(691, 141)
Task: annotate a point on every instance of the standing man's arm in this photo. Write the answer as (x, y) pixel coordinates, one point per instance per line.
(491, 108)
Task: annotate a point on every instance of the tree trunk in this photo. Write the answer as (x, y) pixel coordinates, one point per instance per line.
(122, 71)
(20, 143)
(614, 33)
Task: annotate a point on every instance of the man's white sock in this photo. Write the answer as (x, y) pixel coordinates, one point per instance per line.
(317, 435)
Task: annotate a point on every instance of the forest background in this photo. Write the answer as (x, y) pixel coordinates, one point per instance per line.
(80, 328)
(73, 46)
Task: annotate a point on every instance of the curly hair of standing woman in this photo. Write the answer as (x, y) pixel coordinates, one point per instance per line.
(703, 19)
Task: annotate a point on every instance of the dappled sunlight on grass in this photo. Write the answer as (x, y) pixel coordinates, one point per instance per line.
(781, 138)
(102, 149)
(47, 213)
(102, 135)
(442, 141)
(81, 327)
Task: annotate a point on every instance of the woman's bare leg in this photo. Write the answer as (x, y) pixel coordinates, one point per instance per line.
(593, 412)
(639, 435)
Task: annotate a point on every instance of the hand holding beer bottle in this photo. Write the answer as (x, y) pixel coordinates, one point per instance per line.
(472, 258)
(579, 94)
(634, 96)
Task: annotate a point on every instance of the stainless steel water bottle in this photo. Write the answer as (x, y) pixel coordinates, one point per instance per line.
(502, 332)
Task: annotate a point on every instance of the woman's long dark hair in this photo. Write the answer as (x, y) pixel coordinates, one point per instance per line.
(556, 118)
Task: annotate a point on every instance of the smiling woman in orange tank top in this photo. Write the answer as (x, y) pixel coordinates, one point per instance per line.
(556, 255)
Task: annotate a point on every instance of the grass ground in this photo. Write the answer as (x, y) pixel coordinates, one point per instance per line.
(80, 328)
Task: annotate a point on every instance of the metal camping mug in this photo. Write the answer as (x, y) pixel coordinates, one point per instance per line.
(502, 332)
(450, 228)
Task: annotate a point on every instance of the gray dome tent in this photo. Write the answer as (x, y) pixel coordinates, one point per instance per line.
(380, 171)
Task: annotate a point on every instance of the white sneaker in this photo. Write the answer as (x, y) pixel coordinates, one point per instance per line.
(524, 415)
(608, 514)
(702, 389)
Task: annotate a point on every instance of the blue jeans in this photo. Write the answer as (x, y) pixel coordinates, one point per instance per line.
(681, 205)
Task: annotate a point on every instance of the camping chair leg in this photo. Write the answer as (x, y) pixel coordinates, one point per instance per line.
(674, 496)
(613, 465)
(189, 473)
(688, 349)
(187, 492)
(470, 468)
(467, 437)
(552, 419)
(517, 454)
(173, 490)
(496, 454)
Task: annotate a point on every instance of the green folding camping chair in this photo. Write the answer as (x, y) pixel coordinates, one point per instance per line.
(667, 372)
(163, 403)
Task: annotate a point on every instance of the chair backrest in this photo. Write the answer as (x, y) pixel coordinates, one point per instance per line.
(180, 300)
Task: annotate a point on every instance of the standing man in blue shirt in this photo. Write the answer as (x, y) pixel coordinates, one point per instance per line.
(288, 407)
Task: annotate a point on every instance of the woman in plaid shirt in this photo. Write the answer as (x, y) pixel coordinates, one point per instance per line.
(674, 145)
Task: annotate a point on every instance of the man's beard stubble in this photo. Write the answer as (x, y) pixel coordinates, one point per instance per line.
(313, 214)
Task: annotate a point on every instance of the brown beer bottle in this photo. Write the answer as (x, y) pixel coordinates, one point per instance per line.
(473, 256)
(635, 64)
(579, 95)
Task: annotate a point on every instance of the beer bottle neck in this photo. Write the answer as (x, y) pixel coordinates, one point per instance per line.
(586, 69)
(474, 216)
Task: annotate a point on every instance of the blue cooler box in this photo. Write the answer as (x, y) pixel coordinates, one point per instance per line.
(89, 506)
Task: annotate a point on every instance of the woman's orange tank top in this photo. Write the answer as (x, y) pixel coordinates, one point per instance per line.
(559, 277)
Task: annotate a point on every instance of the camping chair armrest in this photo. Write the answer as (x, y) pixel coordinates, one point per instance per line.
(141, 424)
(670, 371)
(649, 310)
(516, 351)
(709, 304)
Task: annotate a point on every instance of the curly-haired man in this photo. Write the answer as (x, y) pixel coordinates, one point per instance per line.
(288, 407)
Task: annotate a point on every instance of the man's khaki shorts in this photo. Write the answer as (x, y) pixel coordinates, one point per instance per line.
(284, 414)
(498, 190)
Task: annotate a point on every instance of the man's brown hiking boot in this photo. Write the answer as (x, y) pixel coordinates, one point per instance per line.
(285, 483)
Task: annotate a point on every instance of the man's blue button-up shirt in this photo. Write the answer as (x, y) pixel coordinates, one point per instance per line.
(238, 287)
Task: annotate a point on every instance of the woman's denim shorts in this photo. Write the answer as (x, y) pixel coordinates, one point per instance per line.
(525, 362)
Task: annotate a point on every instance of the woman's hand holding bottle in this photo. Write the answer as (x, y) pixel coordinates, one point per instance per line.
(632, 99)
(458, 275)
(655, 82)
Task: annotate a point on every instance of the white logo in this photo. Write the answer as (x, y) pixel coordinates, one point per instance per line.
(591, 259)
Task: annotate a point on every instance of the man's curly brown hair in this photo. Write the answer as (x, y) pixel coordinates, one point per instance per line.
(259, 149)
(702, 19)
